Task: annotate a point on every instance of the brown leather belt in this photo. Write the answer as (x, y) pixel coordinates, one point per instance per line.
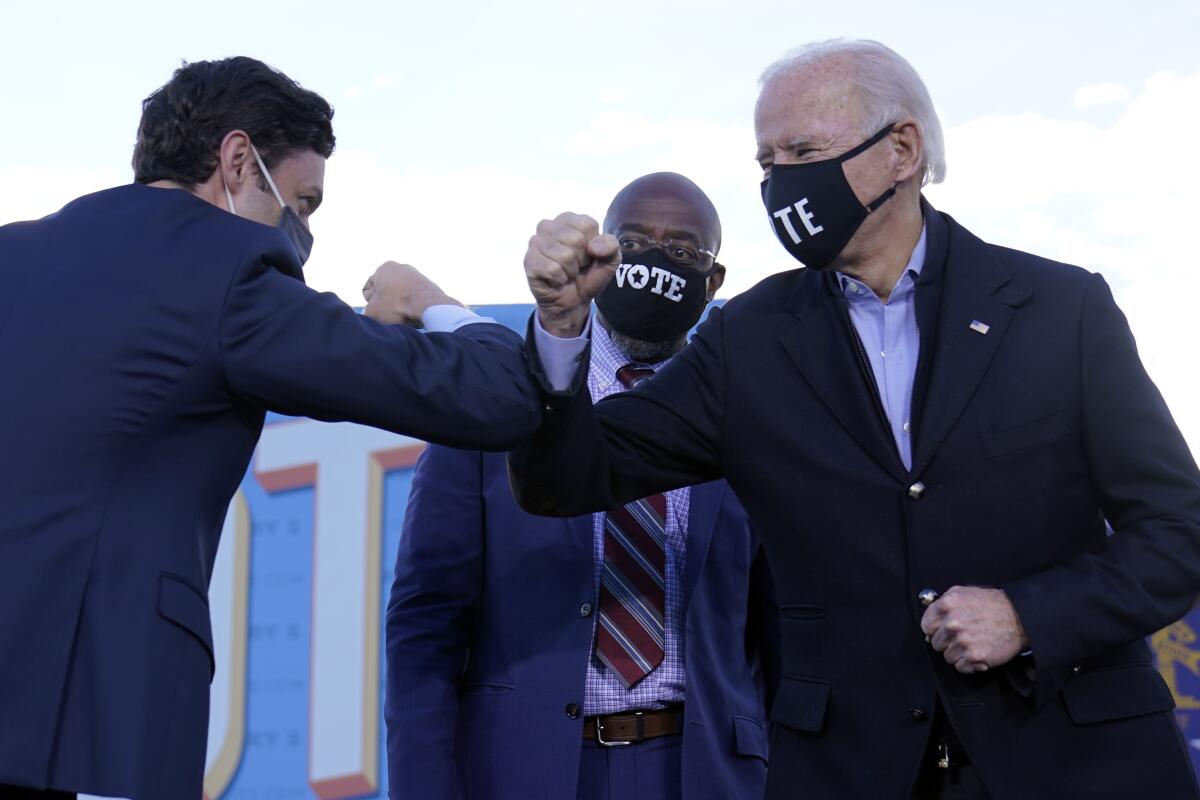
(636, 726)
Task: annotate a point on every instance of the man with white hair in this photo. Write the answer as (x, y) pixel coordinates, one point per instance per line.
(928, 432)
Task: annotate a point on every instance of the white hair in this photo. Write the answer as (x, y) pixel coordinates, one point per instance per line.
(891, 90)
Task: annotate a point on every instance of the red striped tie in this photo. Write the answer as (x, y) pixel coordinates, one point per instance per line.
(629, 638)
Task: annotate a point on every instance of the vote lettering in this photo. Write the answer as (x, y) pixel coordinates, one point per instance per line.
(784, 215)
(660, 281)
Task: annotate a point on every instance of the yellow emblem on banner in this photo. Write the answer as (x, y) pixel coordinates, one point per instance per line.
(1175, 646)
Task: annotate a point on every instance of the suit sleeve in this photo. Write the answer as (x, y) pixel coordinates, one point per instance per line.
(1147, 574)
(295, 351)
(662, 435)
(430, 621)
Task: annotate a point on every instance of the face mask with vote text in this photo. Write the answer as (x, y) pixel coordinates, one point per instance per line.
(813, 208)
(653, 299)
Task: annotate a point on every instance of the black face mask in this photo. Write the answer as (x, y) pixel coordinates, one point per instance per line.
(300, 236)
(652, 298)
(814, 210)
(289, 221)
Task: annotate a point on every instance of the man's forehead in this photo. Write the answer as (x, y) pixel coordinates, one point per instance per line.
(303, 166)
(819, 99)
(659, 214)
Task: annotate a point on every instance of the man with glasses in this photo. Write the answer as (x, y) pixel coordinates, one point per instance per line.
(617, 654)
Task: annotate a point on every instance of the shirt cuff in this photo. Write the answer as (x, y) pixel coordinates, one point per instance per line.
(560, 357)
(448, 318)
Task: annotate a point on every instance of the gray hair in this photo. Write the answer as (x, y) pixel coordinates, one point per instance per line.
(891, 89)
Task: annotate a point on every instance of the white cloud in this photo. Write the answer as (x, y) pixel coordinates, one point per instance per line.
(32, 192)
(621, 132)
(387, 80)
(1118, 197)
(466, 228)
(382, 82)
(1100, 94)
(613, 94)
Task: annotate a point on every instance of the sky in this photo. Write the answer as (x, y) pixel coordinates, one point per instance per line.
(1071, 127)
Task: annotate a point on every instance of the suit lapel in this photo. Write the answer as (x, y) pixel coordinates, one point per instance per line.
(820, 345)
(928, 301)
(702, 519)
(978, 302)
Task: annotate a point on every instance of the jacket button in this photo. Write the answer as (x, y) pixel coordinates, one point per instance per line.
(585, 610)
(927, 597)
(572, 711)
(916, 490)
(919, 714)
(1076, 669)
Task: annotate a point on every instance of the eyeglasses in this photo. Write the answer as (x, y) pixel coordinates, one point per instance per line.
(684, 253)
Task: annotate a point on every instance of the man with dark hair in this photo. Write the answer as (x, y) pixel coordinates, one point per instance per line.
(634, 655)
(184, 122)
(147, 331)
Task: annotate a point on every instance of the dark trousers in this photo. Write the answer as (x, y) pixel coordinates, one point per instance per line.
(956, 783)
(959, 781)
(17, 793)
(649, 770)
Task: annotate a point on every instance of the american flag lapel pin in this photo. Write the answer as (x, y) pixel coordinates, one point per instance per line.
(980, 327)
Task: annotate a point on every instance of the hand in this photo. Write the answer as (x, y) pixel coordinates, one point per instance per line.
(974, 628)
(567, 264)
(397, 294)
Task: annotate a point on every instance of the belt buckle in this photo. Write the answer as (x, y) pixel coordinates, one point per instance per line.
(600, 732)
(943, 753)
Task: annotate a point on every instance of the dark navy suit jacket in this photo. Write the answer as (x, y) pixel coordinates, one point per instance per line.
(1029, 433)
(144, 334)
(489, 637)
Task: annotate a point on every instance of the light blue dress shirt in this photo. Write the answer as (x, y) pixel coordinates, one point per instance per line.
(889, 335)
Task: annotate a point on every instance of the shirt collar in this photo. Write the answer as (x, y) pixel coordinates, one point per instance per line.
(857, 290)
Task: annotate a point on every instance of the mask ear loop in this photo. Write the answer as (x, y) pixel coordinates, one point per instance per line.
(228, 196)
(878, 201)
(883, 198)
(869, 143)
(266, 174)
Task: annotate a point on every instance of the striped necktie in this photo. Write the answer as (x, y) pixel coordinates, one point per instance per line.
(629, 638)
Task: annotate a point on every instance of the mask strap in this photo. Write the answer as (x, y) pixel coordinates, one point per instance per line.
(883, 198)
(852, 152)
(263, 168)
(878, 201)
(228, 196)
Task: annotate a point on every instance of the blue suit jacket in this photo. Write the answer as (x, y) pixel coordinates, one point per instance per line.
(1029, 434)
(488, 641)
(144, 334)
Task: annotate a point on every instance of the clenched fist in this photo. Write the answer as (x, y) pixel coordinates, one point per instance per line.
(567, 264)
(974, 628)
(398, 294)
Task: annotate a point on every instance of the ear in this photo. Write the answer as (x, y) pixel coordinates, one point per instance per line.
(236, 159)
(908, 147)
(715, 281)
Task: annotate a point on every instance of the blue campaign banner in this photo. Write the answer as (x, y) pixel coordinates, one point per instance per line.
(298, 600)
